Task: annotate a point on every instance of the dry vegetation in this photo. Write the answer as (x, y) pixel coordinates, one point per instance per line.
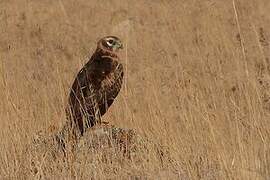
(197, 81)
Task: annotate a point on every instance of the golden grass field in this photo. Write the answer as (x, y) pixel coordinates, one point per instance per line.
(197, 79)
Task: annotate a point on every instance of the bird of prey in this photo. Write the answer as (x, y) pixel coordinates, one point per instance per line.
(96, 86)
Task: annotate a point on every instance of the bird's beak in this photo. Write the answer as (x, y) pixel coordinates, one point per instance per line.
(120, 45)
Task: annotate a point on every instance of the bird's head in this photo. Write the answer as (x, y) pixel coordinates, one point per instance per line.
(110, 44)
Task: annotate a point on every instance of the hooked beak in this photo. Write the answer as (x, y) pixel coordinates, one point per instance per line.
(120, 45)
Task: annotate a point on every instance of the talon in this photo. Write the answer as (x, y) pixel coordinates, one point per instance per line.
(104, 122)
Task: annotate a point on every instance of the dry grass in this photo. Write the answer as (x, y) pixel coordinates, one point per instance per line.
(197, 77)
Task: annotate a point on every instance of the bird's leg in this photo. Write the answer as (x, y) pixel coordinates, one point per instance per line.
(99, 119)
(98, 116)
(105, 122)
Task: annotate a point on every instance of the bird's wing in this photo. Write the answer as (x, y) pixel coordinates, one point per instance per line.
(80, 88)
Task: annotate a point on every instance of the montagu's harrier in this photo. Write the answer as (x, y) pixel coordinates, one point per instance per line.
(96, 86)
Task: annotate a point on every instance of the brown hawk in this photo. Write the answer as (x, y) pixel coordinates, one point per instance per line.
(96, 86)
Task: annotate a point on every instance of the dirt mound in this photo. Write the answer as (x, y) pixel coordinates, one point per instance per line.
(103, 151)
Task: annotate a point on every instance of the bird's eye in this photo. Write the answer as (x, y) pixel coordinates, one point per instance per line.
(110, 42)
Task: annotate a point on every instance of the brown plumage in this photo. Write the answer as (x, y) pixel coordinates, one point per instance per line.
(96, 86)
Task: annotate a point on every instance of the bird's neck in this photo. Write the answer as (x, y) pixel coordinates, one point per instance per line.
(104, 52)
(103, 65)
